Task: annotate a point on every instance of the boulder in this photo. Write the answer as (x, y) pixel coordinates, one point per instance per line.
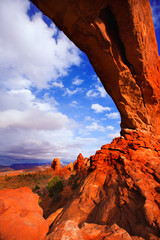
(66, 230)
(53, 216)
(104, 232)
(21, 215)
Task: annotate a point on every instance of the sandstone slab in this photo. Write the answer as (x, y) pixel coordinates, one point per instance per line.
(21, 215)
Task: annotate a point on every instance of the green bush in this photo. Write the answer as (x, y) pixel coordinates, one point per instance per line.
(71, 179)
(73, 182)
(36, 187)
(55, 186)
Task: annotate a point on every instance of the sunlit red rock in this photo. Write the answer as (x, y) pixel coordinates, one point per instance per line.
(81, 168)
(119, 40)
(53, 216)
(101, 232)
(21, 215)
(87, 162)
(124, 188)
(56, 165)
(66, 230)
(70, 230)
(70, 166)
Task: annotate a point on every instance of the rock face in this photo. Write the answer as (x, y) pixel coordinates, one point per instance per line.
(79, 166)
(70, 230)
(123, 187)
(119, 40)
(56, 165)
(21, 215)
(70, 166)
(53, 216)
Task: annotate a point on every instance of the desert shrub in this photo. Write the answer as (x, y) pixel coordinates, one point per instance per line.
(71, 179)
(7, 178)
(39, 201)
(73, 182)
(36, 187)
(55, 186)
(75, 185)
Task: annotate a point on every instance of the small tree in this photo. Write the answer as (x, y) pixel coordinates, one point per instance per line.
(55, 186)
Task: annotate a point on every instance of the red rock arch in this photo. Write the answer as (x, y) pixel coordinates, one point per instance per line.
(119, 40)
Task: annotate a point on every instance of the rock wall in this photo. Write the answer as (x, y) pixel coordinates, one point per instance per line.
(122, 188)
(119, 39)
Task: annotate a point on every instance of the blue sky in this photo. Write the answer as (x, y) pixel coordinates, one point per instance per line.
(52, 102)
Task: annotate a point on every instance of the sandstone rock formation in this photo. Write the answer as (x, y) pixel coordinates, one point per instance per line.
(79, 166)
(70, 230)
(70, 166)
(56, 165)
(87, 162)
(119, 40)
(53, 216)
(21, 215)
(123, 189)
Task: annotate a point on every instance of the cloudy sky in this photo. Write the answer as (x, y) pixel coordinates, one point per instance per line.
(52, 102)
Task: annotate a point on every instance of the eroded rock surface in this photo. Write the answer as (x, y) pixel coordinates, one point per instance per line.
(123, 187)
(70, 230)
(21, 215)
(119, 40)
(79, 166)
(56, 165)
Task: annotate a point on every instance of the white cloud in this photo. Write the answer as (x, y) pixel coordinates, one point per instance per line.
(113, 115)
(77, 81)
(70, 92)
(102, 91)
(99, 91)
(95, 77)
(99, 109)
(87, 118)
(58, 84)
(36, 130)
(74, 104)
(95, 127)
(92, 93)
(31, 53)
(21, 109)
(33, 119)
(111, 128)
(113, 135)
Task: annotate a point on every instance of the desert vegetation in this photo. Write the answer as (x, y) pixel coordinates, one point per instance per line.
(34, 180)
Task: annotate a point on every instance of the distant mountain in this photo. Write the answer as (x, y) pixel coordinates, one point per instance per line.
(20, 166)
(5, 168)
